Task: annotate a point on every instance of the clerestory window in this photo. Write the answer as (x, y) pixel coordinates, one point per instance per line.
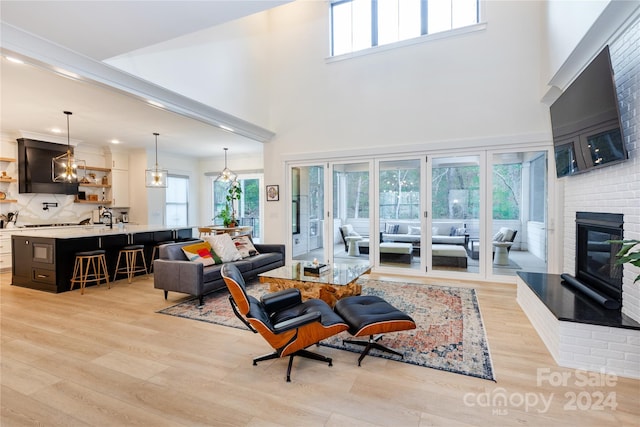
(361, 24)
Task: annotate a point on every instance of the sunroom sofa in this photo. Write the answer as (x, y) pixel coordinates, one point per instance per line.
(443, 233)
(174, 272)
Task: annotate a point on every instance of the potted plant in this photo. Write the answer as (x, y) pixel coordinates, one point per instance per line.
(627, 254)
(228, 213)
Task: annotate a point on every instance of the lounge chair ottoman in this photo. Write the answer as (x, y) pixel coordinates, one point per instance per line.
(371, 315)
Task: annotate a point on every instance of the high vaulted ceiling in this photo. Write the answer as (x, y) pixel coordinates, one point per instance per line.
(33, 98)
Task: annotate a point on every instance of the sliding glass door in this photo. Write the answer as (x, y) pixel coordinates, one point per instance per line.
(249, 207)
(351, 213)
(481, 213)
(519, 212)
(307, 212)
(399, 213)
(456, 213)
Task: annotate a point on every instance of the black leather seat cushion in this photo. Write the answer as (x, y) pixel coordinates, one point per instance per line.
(369, 314)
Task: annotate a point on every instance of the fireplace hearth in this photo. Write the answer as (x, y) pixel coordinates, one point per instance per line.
(585, 329)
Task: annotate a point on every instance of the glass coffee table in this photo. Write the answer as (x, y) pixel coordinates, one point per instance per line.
(336, 283)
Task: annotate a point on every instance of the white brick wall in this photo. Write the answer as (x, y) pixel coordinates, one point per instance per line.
(544, 322)
(615, 350)
(614, 189)
(582, 346)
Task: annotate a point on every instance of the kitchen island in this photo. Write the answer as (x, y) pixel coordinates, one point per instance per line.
(43, 259)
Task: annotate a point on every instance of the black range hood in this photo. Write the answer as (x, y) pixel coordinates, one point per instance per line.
(34, 168)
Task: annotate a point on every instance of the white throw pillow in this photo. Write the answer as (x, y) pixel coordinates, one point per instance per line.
(224, 247)
(435, 231)
(347, 229)
(414, 231)
(244, 245)
(508, 234)
(498, 237)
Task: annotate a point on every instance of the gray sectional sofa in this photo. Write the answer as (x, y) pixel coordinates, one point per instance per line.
(173, 272)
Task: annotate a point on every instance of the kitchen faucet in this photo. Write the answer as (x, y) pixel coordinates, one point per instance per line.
(107, 213)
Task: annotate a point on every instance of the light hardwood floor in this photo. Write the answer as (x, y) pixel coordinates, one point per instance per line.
(106, 358)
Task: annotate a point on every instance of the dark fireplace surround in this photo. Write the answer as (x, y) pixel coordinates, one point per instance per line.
(596, 266)
(594, 295)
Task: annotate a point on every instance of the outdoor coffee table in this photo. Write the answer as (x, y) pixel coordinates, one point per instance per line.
(336, 283)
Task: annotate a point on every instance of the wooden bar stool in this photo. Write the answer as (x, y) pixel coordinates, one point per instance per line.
(131, 266)
(156, 252)
(94, 260)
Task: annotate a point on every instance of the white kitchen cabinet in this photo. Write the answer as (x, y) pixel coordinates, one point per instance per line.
(120, 161)
(119, 188)
(5, 251)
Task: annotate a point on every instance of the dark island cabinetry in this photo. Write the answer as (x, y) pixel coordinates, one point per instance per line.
(46, 262)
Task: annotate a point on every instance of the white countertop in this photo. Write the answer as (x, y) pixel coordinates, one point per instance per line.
(74, 232)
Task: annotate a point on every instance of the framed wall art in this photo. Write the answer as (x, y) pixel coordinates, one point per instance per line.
(273, 193)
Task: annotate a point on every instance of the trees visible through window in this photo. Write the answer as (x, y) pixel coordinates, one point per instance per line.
(456, 192)
(357, 194)
(361, 24)
(400, 190)
(507, 191)
(248, 207)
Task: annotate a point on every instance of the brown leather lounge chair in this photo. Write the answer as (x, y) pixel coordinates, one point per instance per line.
(284, 321)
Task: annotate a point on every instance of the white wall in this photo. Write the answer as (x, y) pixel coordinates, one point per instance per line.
(476, 86)
(567, 23)
(225, 67)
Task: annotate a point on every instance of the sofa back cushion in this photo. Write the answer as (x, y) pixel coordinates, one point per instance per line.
(447, 228)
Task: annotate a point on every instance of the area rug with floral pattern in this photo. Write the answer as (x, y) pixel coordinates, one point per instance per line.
(450, 335)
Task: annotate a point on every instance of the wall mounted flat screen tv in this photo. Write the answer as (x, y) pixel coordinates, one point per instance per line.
(585, 121)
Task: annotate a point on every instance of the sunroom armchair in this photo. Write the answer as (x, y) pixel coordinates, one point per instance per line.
(362, 242)
(284, 321)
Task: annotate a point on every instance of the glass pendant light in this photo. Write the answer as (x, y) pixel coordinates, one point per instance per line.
(65, 167)
(227, 175)
(156, 177)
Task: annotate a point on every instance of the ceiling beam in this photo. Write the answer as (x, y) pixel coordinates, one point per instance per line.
(58, 59)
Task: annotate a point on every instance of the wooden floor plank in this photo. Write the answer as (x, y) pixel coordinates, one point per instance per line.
(108, 358)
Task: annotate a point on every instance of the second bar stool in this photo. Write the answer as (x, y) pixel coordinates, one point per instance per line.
(132, 254)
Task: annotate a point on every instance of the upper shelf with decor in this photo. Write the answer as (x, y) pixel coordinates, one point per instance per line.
(4, 177)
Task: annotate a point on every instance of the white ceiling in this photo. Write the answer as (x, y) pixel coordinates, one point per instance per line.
(33, 98)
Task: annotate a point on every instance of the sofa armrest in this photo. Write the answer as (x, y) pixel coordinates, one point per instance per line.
(264, 248)
(178, 276)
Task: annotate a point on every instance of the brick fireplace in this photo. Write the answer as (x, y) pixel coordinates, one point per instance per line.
(600, 341)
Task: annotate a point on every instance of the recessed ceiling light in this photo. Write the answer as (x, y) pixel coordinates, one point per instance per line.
(226, 128)
(56, 130)
(15, 60)
(115, 141)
